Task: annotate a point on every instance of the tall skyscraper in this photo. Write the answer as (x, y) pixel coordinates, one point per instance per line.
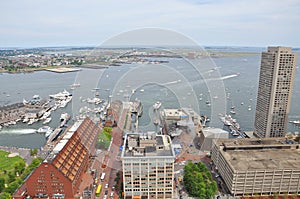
(274, 91)
(148, 166)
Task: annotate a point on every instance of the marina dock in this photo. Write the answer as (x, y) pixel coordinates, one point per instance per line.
(233, 125)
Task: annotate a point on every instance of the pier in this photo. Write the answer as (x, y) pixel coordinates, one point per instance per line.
(14, 112)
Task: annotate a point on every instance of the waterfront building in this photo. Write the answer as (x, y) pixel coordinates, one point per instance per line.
(148, 166)
(258, 166)
(208, 135)
(274, 92)
(60, 174)
(176, 120)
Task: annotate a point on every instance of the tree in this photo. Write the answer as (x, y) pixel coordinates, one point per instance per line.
(2, 182)
(5, 195)
(12, 187)
(11, 177)
(19, 167)
(198, 181)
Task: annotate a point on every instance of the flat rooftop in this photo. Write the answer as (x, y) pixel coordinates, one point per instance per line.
(174, 113)
(263, 159)
(147, 145)
(260, 154)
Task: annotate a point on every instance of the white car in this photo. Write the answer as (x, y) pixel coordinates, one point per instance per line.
(106, 186)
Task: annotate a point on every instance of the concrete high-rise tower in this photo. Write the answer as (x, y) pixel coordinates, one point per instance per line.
(148, 166)
(274, 91)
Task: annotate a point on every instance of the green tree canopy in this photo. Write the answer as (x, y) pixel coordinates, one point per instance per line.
(198, 181)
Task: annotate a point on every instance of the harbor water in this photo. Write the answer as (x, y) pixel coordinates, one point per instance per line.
(175, 84)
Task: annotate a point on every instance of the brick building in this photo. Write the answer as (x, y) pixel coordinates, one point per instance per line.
(60, 174)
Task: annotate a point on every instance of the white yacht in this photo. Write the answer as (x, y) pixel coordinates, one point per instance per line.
(61, 95)
(44, 129)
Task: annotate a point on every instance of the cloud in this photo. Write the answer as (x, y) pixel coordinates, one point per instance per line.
(222, 22)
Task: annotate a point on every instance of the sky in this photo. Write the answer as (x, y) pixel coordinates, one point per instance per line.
(38, 23)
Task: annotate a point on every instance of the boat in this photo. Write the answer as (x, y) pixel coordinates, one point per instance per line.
(25, 120)
(64, 118)
(75, 85)
(234, 133)
(249, 108)
(25, 102)
(61, 95)
(44, 129)
(157, 105)
(226, 119)
(95, 100)
(47, 120)
(45, 115)
(232, 112)
(295, 122)
(155, 121)
(142, 90)
(31, 121)
(48, 133)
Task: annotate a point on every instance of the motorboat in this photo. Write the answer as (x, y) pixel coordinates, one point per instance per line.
(47, 120)
(61, 95)
(44, 129)
(157, 105)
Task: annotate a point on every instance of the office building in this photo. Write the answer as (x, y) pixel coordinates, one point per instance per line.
(60, 174)
(274, 92)
(258, 166)
(148, 166)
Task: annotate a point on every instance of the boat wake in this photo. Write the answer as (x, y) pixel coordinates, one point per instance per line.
(228, 76)
(173, 82)
(17, 131)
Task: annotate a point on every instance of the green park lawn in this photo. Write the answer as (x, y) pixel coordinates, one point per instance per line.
(6, 163)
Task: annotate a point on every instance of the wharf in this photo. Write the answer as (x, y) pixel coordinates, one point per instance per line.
(12, 112)
(18, 111)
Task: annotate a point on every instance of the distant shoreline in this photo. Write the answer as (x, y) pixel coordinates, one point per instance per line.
(60, 69)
